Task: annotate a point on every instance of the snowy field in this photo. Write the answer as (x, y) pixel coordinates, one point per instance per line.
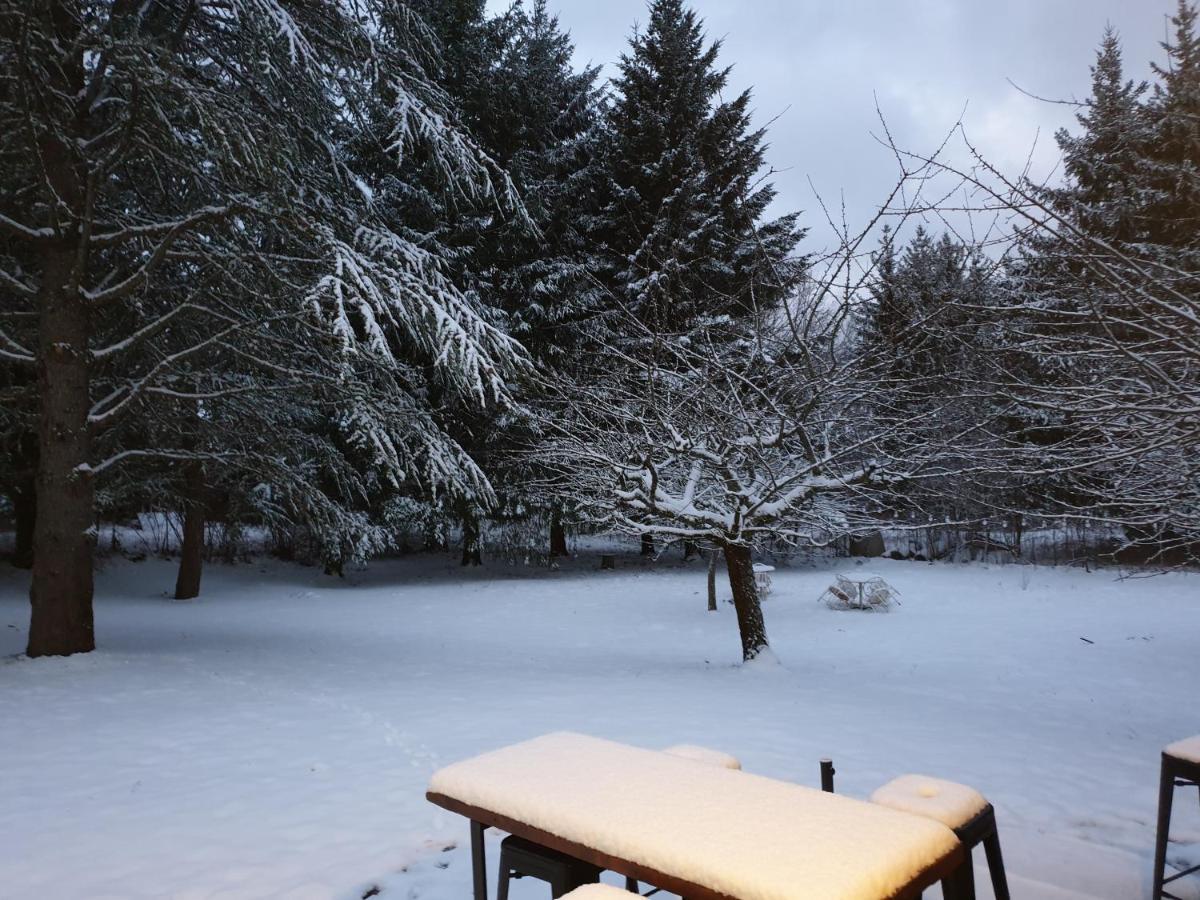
(274, 738)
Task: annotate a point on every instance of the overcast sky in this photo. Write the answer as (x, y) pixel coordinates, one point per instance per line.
(818, 65)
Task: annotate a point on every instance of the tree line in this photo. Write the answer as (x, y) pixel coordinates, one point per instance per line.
(330, 270)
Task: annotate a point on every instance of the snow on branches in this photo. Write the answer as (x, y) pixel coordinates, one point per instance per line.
(382, 289)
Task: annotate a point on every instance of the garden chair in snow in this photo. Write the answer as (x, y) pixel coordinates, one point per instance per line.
(762, 578)
(962, 809)
(1180, 768)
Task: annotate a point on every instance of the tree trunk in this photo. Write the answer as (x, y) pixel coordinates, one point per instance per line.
(689, 550)
(61, 593)
(24, 500)
(712, 580)
(647, 545)
(558, 534)
(751, 627)
(471, 555)
(191, 555)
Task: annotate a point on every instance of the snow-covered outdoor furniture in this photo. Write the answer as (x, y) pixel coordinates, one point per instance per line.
(520, 858)
(862, 591)
(702, 832)
(704, 755)
(762, 578)
(1180, 768)
(960, 808)
(597, 892)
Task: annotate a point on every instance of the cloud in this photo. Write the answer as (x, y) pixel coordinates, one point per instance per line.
(819, 68)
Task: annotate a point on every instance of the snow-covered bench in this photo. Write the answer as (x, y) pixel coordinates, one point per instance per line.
(702, 832)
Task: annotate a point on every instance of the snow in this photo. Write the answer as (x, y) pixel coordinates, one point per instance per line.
(274, 738)
(704, 755)
(1188, 749)
(743, 835)
(954, 805)
(597, 892)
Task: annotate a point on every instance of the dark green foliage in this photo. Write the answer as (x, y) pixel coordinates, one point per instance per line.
(684, 244)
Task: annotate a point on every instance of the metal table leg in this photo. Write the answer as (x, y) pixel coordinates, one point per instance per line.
(960, 884)
(478, 861)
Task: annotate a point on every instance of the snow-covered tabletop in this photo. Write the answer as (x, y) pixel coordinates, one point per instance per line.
(862, 577)
(1188, 749)
(697, 830)
(705, 755)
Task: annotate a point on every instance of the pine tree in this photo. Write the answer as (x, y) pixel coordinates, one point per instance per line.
(879, 321)
(158, 152)
(549, 116)
(1106, 289)
(510, 80)
(1104, 163)
(919, 305)
(1173, 213)
(684, 244)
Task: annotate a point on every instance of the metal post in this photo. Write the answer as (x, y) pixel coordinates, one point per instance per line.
(960, 884)
(827, 773)
(478, 862)
(1166, 794)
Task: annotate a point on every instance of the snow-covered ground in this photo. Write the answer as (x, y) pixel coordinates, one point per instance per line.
(274, 738)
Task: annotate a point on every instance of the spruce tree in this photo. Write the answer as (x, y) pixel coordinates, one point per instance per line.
(540, 276)
(922, 311)
(685, 246)
(879, 321)
(1104, 162)
(1173, 214)
(1106, 335)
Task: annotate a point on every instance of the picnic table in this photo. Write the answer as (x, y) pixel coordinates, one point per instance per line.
(867, 588)
(696, 830)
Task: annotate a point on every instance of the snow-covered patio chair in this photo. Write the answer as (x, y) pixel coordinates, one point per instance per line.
(762, 578)
(962, 809)
(1180, 768)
